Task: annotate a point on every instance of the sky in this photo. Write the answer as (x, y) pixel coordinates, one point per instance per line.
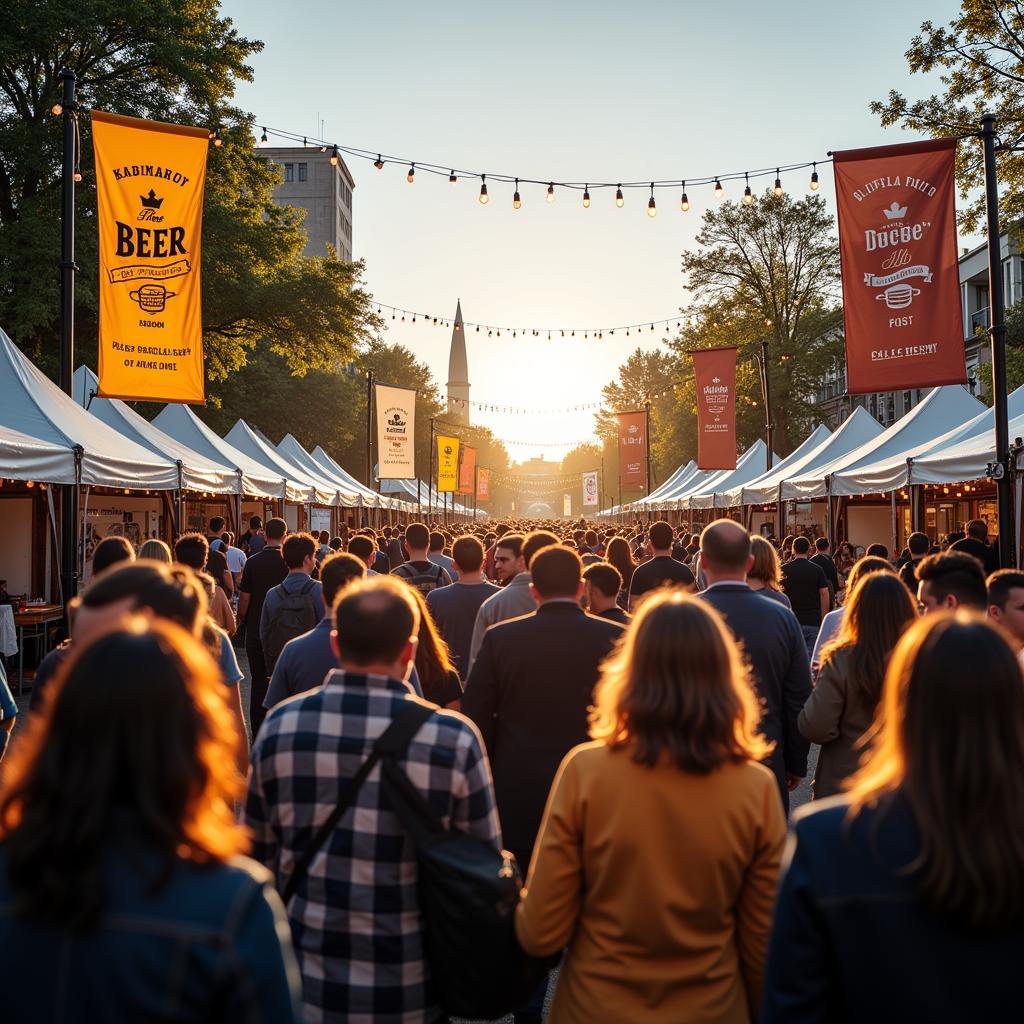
(575, 92)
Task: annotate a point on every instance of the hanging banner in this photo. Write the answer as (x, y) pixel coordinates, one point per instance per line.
(447, 464)
(566, 505)
(396, 432)
(633, 449)
(467, 470)
(590, 489)
(149, 205)
(483, 484)
(901, 282)
(714, 370)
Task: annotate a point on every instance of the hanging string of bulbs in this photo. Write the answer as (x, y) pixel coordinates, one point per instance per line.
(563, 480)
(517, 410)
(455, 175)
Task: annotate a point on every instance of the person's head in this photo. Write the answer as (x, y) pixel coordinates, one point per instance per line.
(535, 542)
(323, 537)
(417, 538)
(765, 568)
(363, 548)
(376, 622)
(501, 529)
(436, 541)
(950, 739)
(1006, 602)
(801, 547)
(864, 567)
(617, 553)
(951, 580)
(659, 536)
(433, 659)
(336, 544)
(337, 571)
(822, 545)
(725, 550)
(787, 544)
(590, 538)
(255, 524)
(918, 544)
(677, 684)
(299, 552)
(216, 525)
(556, 572)
(192, 549)
(468, 555)
(155, 550)
(508, 556)
(601, 585)
(134, 724)
(877, 551)
(275, 531)
(110, 551)
(978, 529)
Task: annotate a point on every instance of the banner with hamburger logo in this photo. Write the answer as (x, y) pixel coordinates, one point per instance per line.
(901, 283)
(633, 449)
(714, 371)
(149, 203)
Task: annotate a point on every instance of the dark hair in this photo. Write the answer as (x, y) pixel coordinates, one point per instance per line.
(275, 529)
(660, 535)
(323, 536)
(501, 529)
(590, 538)
(956, 573)
(436, 541)
(362, 547)
(297, 548)
(1000, 584)
(110, 551)
(374, 619)
(336, 571)
(556, 571)
(534, 542)
(918, 543)
(801, 546)
(417, 536)
(433, 659)
(336, 544)
(877, 550)
(605, 577)
(216, 524)
(726, 545)
(134, 723)
(822, 544)
(510, 542)
(228, 537)
(468, 554)
(618, 553)
(255, 523)
(192, 549)
(170, 592)
(978, 529)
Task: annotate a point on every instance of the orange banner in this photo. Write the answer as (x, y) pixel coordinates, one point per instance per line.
(467, 470)
(633, 449)
(483, 484)
(149, 209)
(901, 282)
(714, 370)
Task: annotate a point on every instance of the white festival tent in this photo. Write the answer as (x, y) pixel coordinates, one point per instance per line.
(323, 459)
(186, 427)
(683, 486)
(427, 495)
(751, 464)
(198, 473)
(33, 407)
(680, 476)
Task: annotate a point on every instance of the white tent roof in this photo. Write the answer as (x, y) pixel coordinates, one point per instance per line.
(290, 449)
(752, 464)
(681, 474)
(685, 485)
(32, 406)
(197, 472)
(426, 495)
(185, 426)
(370, 498)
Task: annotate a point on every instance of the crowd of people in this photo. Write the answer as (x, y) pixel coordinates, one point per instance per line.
(622, 713)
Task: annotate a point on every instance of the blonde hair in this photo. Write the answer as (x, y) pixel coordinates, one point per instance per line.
(767, 568)
(156, 550)
(677, 684)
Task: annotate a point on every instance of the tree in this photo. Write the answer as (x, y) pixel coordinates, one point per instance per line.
(172, 62)
(980, 57)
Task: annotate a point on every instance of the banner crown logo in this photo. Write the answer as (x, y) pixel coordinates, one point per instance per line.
(716, 380)
(152, 201)
(895, 212)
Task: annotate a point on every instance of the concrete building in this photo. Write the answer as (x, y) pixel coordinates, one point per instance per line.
(458, 372)
(324, 190)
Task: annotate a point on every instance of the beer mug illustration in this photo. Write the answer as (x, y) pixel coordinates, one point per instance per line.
(899, 296)
(152, 297)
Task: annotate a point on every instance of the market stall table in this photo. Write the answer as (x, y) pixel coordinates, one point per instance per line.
(32, 623)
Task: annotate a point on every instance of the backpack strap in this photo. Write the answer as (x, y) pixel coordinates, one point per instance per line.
(392, 742)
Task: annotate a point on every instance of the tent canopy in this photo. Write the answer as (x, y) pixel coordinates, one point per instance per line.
(681, 474)
(751, 464)
(370, 498)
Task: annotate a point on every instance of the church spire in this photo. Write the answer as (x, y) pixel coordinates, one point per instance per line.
(458, 371)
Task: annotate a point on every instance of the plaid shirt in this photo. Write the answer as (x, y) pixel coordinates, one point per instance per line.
(355, 918)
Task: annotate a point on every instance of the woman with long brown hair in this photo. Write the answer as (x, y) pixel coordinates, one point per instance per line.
(843, 702)
(437, 675)
(657, 860)
(121, 890)
(904, 900)
(765, 575)
(618, 554)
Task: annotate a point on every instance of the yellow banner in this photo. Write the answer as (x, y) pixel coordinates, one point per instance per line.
(149, 200)
(447, 464)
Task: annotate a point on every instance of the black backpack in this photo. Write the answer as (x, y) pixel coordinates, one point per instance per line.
(424, 580)
(294, 615)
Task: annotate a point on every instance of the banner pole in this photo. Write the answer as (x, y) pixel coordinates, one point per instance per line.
(369, 429)
(997, 335)
(647, 438)
(430, 478)
(767, 391)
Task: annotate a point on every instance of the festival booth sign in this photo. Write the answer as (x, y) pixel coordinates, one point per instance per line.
(590, 495)
(396, 432)
(715, 373)
(149, 208)
(633, 449)
(901, 280)
(467, 470)
(447, 464)
(483, 485)
(566, 505)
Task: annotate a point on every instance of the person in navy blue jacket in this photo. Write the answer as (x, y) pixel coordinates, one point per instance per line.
(904, 899)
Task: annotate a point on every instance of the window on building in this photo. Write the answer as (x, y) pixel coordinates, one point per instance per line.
(891, 407)
(289, 172)
(907, 402)
(302, 171)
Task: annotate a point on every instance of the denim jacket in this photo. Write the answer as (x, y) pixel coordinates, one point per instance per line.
(210, 945)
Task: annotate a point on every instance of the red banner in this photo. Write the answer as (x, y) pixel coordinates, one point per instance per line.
(901, 283)
(483, 484)
(714, 371)
(633, 449)
(467, 470)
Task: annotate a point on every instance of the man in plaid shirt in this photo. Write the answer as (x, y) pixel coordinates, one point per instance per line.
(355, 915)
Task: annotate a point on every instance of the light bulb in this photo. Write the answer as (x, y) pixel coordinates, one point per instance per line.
(719, 191)
(77, 175)
(452, 179)
(551, 192)
(652, 206)
(748, 196)
(483, 190)
(684, 200)
(586, 197)
(618, 197)
(778, 183)
(378, 163)
(410, 177)
(814, 179)
(263, 137)
(58, 109)
(217, 140)
(335, 156)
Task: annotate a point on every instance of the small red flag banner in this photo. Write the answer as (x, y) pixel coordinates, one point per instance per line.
(715, 373)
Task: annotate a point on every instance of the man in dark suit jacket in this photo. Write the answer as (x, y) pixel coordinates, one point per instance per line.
(529, 690)
(773, 643)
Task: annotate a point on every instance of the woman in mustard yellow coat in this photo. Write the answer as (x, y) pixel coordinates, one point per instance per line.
(657, 861)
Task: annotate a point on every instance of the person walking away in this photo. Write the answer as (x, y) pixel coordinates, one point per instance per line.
(823, 560)
(949, 581)
(765, 575)
(661, 569)
(263, 571)
(659, 930)
(454, 608)
(123, 892)
(904, 899)
(842, 705)
(976, 544)
(191, 549)
(440, 682)
(771, 639)
(618, 554)
(323, 546)
(355, 911)
(363, 548)
(216, 563)
(419, 571)
(438, 557)
(807, 589)
(1006, 604)
(296, 604)
(602, 584)
(254, 539)
(155, 550)
(918, 545)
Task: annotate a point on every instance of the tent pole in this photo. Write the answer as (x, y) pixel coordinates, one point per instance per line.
(895, 528)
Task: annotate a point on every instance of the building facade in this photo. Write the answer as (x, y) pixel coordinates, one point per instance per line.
(310, 182)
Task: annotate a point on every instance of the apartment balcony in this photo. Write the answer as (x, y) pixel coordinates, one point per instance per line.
(979, 319)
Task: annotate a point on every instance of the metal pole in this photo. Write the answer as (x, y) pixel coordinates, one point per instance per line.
(476, 479)
(69, 493)
(430, 479)
(766, 392)
(369, 429)
(647, 437)
(997, 334)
